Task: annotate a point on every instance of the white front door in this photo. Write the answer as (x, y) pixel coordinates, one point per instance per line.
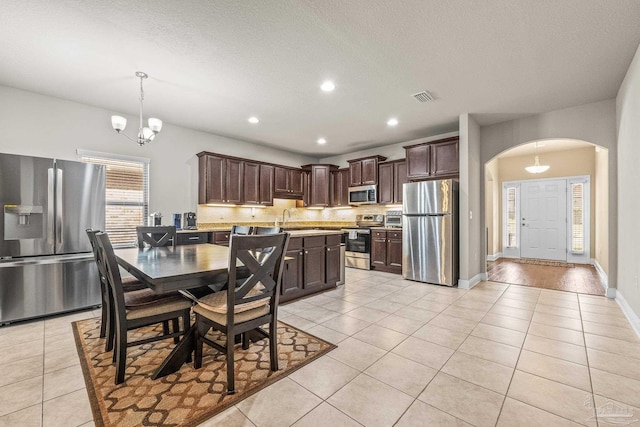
(543, 212)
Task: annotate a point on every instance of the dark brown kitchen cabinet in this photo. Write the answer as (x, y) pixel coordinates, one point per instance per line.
(287, 183)
(220, 179)
(386, 251)
(221, 238)
(318, 188)
(340, 187)
(391, 176)
(445, 159)
(258, 184)
(332, 273)
(433, 159)
(364, 171)
(314, 266)
(292, 274)
(399, 178)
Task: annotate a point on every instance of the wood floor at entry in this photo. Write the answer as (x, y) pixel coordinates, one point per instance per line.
(581, 278)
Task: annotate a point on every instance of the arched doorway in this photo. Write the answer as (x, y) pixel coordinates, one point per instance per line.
(548, 229)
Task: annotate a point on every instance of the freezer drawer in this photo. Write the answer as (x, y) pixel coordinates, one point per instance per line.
(36, 287)
(428, 249)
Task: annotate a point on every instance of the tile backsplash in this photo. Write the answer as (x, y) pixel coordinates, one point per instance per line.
(212, 215)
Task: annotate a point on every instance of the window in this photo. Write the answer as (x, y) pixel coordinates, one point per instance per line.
(577, 217)
(511, 216)
(127, 194)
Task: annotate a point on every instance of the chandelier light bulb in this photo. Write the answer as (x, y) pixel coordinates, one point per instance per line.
(118, 123)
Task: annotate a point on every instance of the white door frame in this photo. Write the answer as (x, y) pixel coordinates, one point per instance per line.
(583, 257)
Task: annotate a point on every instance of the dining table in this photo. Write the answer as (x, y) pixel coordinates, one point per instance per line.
(169, 269)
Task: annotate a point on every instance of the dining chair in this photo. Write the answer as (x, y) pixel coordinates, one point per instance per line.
(247, 304)
(241, 229)
(136, 309)
(128, 284)
(156, 236)
(261, 231)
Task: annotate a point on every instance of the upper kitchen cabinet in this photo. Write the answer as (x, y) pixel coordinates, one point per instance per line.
(287, 183)
(433, 159)
(391, 176)
(364, 171)
(258, 184)
(340, 187)
(220, 179)
(319, 184)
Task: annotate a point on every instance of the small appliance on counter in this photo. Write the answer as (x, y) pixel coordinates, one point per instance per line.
(189, 221)
(393, 219)
(156, 218)
(177, 221)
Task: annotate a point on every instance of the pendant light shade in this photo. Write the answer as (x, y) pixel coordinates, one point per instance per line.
(537, 167)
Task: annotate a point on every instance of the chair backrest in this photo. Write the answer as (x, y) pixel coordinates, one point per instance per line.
(261, 231)
(107, 263)
(91, 234)
(156, 236)
(241, 229)
(263, 258)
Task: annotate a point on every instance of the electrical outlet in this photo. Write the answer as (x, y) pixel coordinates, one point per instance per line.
(470, 215)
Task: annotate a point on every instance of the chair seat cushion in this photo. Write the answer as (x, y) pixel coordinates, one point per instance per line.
(217, 302)
(141, 298)
(221, 319)
(161, 305)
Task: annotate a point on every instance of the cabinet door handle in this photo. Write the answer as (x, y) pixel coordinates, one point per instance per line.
(226, 236)
(194, 238)
(301, 253)
(328, 249)
(306, 252)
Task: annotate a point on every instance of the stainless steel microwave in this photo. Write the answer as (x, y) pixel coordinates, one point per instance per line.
(363, 195)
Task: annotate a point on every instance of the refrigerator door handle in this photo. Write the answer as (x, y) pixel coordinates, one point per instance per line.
(50, 209)
(59, 210)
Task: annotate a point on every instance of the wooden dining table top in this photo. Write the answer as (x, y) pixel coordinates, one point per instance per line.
(167, 269)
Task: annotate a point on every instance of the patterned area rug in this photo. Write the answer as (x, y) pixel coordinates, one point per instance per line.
(545, 262)
(189, 396)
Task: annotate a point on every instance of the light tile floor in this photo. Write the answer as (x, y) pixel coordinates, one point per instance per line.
(409, 354)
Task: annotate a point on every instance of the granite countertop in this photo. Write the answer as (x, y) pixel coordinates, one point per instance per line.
(387, 228)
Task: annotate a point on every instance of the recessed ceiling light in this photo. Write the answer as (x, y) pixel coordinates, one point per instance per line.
(322, 141)
(254, 120)
(392, 122)
(328, 86)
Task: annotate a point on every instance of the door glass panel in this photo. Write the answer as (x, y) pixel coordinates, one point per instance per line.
(577, 217)
(511, 214)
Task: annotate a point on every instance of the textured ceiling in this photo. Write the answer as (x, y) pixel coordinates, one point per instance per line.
(212, 64)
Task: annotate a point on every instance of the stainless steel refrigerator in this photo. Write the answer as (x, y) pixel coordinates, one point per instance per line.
(430, 232)
(46, 264)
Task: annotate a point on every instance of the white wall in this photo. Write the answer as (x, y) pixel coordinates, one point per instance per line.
(38, 125)
(594, 123)
(472, 246)
(628, 128)
(601, 234)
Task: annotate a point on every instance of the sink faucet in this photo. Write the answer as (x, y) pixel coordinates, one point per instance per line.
(284, 220)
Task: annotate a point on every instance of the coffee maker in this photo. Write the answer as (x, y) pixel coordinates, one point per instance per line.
(189, 221)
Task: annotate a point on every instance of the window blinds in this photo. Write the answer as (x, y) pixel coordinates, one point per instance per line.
(127, 196)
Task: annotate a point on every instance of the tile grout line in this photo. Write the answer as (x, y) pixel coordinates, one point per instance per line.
(586, 354)
(515, 368)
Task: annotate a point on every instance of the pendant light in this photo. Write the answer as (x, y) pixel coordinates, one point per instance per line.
(145, 134)
(537, 167)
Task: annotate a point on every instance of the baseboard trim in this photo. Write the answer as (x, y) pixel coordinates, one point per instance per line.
(601, 272)
(468, 284)
(631, 316)
(494, 256)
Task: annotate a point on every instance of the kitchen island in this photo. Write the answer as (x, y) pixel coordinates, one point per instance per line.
(315, 261)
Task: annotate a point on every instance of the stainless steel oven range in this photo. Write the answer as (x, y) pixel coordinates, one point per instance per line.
(358, 241)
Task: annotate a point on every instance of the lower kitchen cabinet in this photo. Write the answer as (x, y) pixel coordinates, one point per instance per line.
(314, 266)
(386, 251)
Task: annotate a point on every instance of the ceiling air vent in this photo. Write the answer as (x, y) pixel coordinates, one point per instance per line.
(423, 96)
